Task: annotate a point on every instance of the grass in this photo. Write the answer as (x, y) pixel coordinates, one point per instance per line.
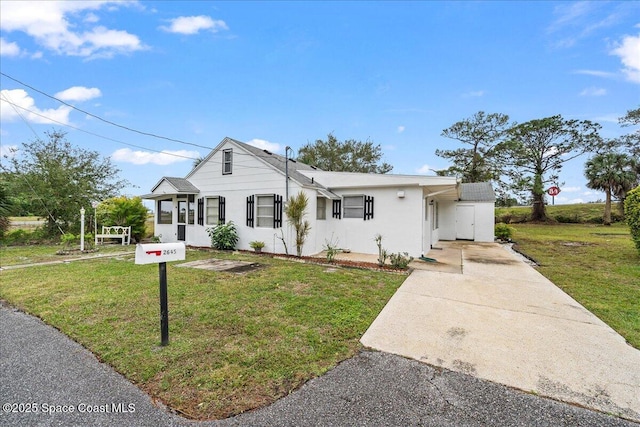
(237, 342)
(590, 213)
(598, 266)
(31, 254)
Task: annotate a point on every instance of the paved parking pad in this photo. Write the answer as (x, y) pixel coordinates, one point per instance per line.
(502, 321)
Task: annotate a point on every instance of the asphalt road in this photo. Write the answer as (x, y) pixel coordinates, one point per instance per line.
(48, 380)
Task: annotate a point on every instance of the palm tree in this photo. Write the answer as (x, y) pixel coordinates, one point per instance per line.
(296, 210)
(613, 173)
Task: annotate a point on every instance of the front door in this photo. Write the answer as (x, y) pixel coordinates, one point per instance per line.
(182, 220)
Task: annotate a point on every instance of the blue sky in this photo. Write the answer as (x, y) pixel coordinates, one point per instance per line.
(279, 74)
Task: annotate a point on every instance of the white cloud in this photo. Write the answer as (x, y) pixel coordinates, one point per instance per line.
(58, 26)
(596, 73)
(266, 145)
(79, 93)
(8, 150)
(8, 48)
(401, 129)
(474, 94)
(26, 108)
(194, 24)
(166, 157)
(425, 169)
(593, 91)
(629, 52)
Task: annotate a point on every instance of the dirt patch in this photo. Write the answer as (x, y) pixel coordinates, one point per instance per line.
(576, 244)
(497, 261)
(222, 265)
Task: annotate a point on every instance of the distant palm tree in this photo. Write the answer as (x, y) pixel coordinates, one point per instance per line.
(613, 173)
(197, 161)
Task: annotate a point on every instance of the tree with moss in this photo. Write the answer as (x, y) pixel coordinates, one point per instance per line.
(535, 152)
(296, 210)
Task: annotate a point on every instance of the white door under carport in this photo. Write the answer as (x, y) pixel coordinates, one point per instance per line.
(465, 224)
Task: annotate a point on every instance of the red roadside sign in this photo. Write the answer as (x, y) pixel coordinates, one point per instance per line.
(553, 191)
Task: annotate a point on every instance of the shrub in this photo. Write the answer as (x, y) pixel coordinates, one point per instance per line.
(382, 253)
(331, 247)
(632, 214)
(68, 240)
(223, 236)
(125, 212)
(503, 231)
(400, 260)
(257, 245)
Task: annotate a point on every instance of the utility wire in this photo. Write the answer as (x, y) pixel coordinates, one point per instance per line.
(101, 119)
(23, 176)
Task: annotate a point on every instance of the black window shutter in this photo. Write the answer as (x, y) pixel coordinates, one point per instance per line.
(201, 211)
(250, 202)
(221, 206)
(277, 211)
(337, 209)
(368, 207)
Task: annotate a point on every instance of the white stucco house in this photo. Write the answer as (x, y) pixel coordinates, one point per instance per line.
(249, 186)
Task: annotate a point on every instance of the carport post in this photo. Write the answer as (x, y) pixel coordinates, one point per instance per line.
(164, 306)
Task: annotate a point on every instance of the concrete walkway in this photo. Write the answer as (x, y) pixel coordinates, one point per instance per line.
(503, 321)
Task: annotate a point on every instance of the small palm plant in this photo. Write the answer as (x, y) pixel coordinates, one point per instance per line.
(296, 210)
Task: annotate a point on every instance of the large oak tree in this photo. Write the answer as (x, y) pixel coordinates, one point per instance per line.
(536, 151)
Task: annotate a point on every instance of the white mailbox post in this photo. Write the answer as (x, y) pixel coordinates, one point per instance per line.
(160, 253)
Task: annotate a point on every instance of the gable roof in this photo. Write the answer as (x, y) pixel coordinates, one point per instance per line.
(181, 185)
(477, 192)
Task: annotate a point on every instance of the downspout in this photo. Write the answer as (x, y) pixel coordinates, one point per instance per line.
(286, 172)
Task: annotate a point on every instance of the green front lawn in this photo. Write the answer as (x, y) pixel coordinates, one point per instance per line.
(597, 265)
(237, 341)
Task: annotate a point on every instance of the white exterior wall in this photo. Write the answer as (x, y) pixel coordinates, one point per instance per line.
(397, 219)
(447, 220)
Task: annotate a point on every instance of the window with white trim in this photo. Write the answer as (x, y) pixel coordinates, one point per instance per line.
(165, 211)
(321, 208)
(353, 206)
(227, 160)
(212, 207)
(265, 211)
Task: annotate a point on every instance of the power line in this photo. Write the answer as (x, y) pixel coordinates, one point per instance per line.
(91, 133)
(104, 120)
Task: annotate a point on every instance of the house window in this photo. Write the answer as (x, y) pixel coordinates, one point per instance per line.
(165, 211)
(434, 212)
(212, 207)
(227, 157)
(358, 207)
(353, 206)
(265, 211)
(192, 208)
(321, 208)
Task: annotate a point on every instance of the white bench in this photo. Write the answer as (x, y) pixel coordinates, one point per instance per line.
(115, 232)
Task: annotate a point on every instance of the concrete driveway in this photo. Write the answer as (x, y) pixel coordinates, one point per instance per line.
(499, 319)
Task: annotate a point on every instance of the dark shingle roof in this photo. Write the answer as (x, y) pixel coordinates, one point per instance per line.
(279, 162)
(477, 192)
(180, 184)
